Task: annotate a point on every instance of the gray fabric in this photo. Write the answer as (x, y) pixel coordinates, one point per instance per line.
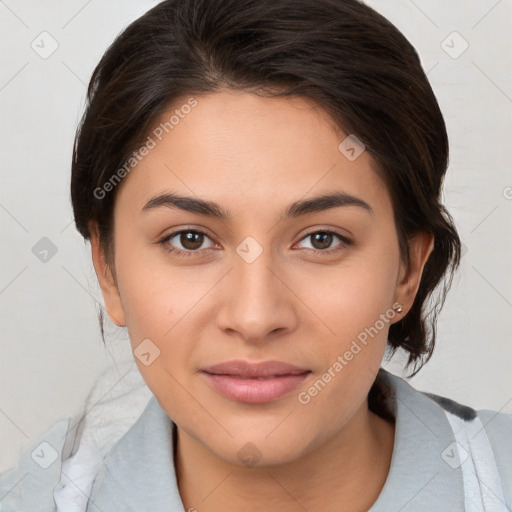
(499, 431)
(28, 487)
(138, 472)
(419, 479)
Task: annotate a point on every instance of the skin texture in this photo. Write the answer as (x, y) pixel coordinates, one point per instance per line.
(255, 156)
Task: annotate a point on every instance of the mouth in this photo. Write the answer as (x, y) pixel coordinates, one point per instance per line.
(254, 383)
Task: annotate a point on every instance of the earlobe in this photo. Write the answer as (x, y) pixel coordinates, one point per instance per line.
(108, 285)
(420, 248)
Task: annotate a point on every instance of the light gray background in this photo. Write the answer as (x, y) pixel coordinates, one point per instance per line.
(51, 351)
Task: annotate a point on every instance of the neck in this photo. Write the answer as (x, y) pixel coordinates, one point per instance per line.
(345, 473)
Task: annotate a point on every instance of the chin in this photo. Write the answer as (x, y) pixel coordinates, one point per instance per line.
(258, 450)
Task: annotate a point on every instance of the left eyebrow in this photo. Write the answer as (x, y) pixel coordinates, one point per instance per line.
(296, 209)
(326, 202)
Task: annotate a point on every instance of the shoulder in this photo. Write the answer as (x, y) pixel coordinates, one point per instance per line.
(74, 446)
(29, 484)
(496, 425)
(483, 441)
(476, 445)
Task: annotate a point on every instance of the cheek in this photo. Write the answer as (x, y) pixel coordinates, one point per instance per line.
(149, 298)
(353, 309)
(346, 299)
(152, 291)
(160, 330)
(148, 307)
(160, 303)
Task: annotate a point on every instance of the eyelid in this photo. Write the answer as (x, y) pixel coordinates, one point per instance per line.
(344, 234)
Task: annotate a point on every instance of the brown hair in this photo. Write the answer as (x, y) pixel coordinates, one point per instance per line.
(339, 53)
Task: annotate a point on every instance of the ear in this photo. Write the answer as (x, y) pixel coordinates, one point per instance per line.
(106, 279)
(408, 283)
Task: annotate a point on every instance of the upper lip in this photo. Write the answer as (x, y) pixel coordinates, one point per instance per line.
(255, 369)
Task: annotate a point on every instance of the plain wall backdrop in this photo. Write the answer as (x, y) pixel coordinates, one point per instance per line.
(50, 347)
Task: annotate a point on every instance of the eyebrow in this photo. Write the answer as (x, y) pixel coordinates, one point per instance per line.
(296, 209)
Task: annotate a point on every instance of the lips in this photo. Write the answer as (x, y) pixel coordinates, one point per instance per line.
(248, 370)
(254, 383)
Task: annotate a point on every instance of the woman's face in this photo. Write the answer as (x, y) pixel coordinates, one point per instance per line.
(265, 283)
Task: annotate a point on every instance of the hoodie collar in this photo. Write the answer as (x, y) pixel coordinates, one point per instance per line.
(419, 479)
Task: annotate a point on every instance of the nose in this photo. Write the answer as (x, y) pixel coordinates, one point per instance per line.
(257, 303)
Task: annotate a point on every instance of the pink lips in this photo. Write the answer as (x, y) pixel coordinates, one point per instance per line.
(254, 383)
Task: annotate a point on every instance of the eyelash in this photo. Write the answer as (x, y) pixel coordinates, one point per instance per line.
(178, 252)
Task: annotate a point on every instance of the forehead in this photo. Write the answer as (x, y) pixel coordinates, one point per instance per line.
(249, 151)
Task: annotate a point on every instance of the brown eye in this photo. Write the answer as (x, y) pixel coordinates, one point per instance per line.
(186, 242)
(322, 241)
(191, 240)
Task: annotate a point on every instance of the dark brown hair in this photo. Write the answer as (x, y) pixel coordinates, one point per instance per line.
(341, 54)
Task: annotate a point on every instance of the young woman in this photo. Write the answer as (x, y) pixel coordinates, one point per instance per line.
(260, 182)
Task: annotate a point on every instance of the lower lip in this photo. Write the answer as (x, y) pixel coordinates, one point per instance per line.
(255, 391)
